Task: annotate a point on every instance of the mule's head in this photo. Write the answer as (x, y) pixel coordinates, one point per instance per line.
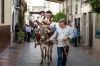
(44, 34)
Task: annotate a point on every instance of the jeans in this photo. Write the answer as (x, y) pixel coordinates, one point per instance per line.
(75, 41)
(61, 56)
(28, 36)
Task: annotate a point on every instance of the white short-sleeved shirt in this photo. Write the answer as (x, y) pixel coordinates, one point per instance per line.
(40, 18)
(48, 19)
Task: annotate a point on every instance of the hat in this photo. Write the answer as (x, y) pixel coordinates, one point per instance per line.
(62, 20)
(49, 12)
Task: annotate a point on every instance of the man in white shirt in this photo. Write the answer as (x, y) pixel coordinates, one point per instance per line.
(28, 30)
(65, 33)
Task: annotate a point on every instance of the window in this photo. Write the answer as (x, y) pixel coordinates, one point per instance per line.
(2, 11)
(98, 26)
(76, 8)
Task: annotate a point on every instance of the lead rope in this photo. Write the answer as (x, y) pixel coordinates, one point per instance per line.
(65, 49)
(69, 50)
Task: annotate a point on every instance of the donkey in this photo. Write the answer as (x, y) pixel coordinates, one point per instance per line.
(46, 47)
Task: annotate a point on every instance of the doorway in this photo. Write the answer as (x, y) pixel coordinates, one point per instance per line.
(78, 24)
(90, 29)
(84, 28)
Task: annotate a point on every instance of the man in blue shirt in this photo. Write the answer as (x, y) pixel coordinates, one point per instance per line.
(64, 33)
(75, 35)
(54, 28)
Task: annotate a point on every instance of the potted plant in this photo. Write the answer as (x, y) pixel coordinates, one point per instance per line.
(20, 36)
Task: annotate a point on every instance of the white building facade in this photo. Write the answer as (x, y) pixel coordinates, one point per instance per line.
(79, 13)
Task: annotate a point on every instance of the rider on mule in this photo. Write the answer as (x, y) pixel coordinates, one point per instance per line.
(44, 20)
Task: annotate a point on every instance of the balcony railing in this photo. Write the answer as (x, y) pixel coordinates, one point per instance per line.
(85, 0)
(17, 5)
(57, 1)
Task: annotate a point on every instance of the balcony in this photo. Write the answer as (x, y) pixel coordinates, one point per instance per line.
(85, 1)
(57, 1)
(69, 9)
(17, 5)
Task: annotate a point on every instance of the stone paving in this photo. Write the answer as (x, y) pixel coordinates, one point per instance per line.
(31, 57)
(26, 55)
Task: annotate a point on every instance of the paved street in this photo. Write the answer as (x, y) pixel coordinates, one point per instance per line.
(26, 55)
(31, 57)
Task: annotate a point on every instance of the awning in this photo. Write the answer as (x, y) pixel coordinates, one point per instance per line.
(34, 12)
(57, 1)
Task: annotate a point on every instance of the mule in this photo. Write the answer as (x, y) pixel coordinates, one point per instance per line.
(46, 47)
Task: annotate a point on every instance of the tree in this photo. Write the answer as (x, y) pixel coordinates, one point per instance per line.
(58, 16)
(95, 6)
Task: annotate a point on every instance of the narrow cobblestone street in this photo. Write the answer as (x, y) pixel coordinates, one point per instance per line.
(26, 55)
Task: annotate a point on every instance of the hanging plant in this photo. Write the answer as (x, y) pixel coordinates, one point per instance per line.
(95, 6)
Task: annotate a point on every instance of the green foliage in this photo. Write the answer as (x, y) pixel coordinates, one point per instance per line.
(95, 5)
(54, 18)
(58, 16)
(20, 36)
(21, 18)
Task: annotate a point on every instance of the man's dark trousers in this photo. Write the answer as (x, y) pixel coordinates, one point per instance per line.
(28, 33)
(61, 56)
(75, 41)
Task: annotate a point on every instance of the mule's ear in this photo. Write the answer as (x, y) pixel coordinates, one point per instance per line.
(39, 23)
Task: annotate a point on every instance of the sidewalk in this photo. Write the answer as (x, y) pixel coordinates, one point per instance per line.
(91, 51)
(11, 55)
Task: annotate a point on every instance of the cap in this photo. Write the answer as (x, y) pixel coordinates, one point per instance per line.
(49, 12)
(62, 20)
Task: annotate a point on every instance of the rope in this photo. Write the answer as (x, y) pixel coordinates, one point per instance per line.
(65, 49)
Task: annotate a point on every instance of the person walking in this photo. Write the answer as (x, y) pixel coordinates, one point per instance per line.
(16, 31)
(75, 32)
(64, 32)
(54, 28)
(28, 30)
(24, 30)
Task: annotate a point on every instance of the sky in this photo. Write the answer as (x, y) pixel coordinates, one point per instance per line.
(37, 2)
